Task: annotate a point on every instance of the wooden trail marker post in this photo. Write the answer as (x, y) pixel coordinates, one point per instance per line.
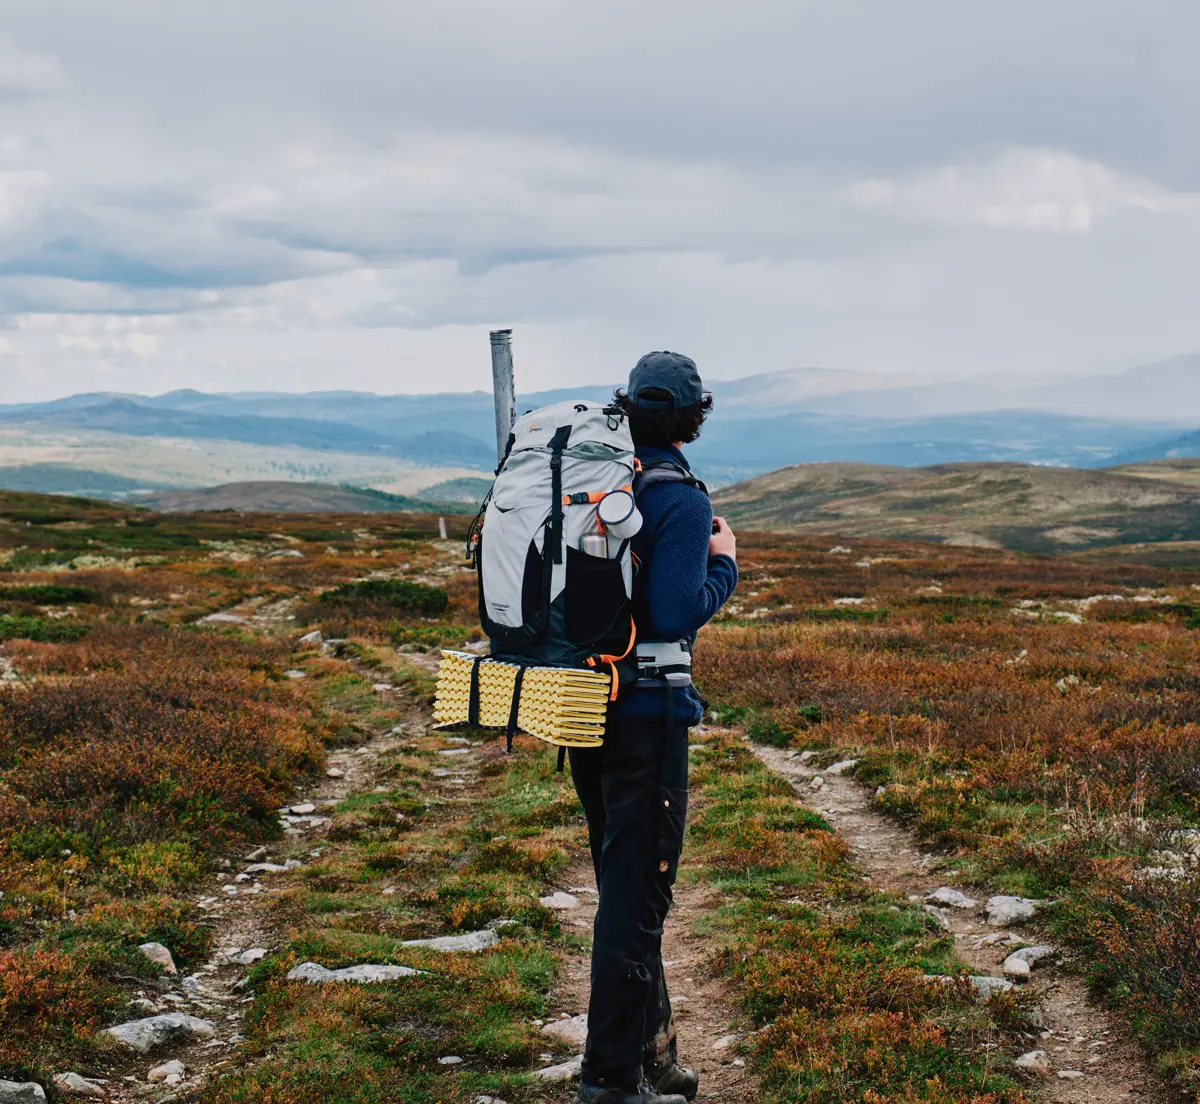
(502, 388)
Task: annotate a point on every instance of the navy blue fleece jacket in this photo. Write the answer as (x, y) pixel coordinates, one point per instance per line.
(679, 587)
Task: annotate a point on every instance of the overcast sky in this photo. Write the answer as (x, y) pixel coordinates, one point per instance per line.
(299, 195)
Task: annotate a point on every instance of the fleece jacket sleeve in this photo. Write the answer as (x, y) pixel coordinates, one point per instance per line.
(685, 586)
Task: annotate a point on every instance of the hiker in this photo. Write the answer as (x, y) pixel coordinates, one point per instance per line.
(634, 787)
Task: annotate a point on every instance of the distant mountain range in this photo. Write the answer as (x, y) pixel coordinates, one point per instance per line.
(286, 498)
(117, 445)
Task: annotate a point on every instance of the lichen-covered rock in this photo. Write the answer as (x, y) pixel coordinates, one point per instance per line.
(145, 1035)
(21, 1092)
(951, 898)
(470, 942)
(367, 974)
(1002, 912)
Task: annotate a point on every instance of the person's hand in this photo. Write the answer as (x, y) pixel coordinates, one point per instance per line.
(722, 542)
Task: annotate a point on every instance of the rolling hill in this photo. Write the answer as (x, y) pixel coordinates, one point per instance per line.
(1015, 506)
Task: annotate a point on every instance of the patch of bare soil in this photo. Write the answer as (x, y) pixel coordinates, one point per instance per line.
(1091, 1059)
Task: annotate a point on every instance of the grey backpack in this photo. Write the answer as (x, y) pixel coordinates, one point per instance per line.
(550, 592)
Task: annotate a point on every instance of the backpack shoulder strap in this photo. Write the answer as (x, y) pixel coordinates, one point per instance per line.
(665, 471)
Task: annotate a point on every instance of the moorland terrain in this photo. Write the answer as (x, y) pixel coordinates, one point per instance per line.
(215, 737)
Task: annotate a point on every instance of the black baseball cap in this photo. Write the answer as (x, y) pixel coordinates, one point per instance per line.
(673, 373)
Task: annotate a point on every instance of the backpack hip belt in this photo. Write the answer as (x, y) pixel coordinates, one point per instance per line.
(664, 661)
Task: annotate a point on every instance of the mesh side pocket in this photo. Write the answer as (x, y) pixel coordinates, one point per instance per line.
(596, 608)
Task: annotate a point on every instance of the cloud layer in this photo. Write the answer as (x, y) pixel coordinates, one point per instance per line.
(260, 195)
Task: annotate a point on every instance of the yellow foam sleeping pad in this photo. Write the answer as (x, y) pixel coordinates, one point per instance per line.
(561, 705)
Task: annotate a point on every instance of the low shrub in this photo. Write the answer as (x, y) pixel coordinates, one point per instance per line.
(396, 594)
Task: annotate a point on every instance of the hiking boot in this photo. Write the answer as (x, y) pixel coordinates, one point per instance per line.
(643, 1094)
(674, 1078)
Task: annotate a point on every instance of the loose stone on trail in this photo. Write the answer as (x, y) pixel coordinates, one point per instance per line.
(160, 956)
(560, 902)
(842, 767)
(145, 1035)
(573, 1030)
(1035, 1061)
(566, 1071)
(1002, 912)
(173, 1068)
(951, 898)
(72, 1084)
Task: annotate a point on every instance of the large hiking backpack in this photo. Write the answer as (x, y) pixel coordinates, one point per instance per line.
(543, 599)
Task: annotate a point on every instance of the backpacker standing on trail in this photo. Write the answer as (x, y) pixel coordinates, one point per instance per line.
(597, 552)
(634, 787)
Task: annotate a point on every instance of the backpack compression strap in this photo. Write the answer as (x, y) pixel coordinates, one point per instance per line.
(511, 730)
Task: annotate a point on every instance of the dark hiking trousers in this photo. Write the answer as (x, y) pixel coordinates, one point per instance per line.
(634, 794)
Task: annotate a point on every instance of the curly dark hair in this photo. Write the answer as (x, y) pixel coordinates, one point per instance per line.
(659, 428)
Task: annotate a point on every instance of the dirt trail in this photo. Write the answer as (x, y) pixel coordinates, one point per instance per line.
(238, 911)
(704, 1007)
(1078, 1038)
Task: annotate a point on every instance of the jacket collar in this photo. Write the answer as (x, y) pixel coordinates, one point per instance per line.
(650, 452)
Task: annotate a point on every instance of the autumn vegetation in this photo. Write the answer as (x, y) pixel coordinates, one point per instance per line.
(1035, 720)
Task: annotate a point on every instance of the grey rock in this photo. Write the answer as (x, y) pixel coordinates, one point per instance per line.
(726, 1042)
(251, 956)
(305, 808)
(159, 955)
(265, 868)
(572, 1030)
(1016, 968)
(842, 767)
(144, 1035)
(21, 1092)
(937, 917)
(73, 1085)
(314, 638)
(488, 1100)
(566, 1071)
(989, 986)
(257, 854)
(450, 1060)
(471, 942)
(173, 1068)
(983, 986)
(1003, 912)
(1035, 1061)
(560, 902)
(1034, 956)
(951, 898)
(223, 619)
(368, 974)
(1071, 1075)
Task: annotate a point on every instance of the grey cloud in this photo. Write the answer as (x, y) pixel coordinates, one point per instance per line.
(267, 191)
